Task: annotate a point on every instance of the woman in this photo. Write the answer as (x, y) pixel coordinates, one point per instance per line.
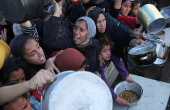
(105, 45)
(83, 38)
(107, 27)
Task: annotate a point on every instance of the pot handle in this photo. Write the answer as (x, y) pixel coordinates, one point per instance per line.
(145, 57)
(42, 95)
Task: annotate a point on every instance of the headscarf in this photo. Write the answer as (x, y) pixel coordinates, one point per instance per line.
(69, 59)
(94, 14)
(91, 29)
(16, 43)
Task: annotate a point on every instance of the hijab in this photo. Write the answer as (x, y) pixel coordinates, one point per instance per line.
(94, 14)
(91, 29)
(16, 43)
(69, 59)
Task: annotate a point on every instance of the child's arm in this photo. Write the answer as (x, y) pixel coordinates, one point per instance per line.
(121, 68)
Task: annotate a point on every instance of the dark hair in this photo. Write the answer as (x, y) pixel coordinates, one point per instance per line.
(45, 14)
(22, 47)
(11, 64)
(134, 3)
(105, 40)
(83, 64)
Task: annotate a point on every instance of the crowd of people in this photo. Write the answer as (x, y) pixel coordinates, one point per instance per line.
(78, 35)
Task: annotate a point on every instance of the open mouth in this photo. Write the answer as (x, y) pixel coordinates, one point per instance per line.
(42, 58)
(76, 39)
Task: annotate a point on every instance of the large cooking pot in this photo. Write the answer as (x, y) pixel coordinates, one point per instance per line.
(151, 18)
(129, 86)
(19, 11)
(79, 90)
(144, 55)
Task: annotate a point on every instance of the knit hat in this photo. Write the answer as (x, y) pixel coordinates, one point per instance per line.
(69, 59)
(16, 43)
(91, 29)
(94, 14)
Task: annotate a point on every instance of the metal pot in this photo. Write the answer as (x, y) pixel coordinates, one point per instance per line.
(129, 86)
(162, 50)
(19, 11)
(79, 90)
(166, 13)
(144, 55)
(151, 18)
(152, 37)
(161, 35)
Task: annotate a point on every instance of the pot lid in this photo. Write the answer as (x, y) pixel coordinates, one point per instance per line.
(139, 50)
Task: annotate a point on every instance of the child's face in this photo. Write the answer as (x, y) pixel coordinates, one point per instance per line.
(125, 9)
(135, 9)
(106, 52)
(16, 76)
(18, 104)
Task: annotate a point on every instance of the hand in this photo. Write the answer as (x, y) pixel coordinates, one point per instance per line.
(139, 35)
(3, 35)
(122, 102)
(129, 79)
(89, 9)
(136, 42)
(98, 74)
(57, 9)
(101, 60)
(41, 78)
(49, 65)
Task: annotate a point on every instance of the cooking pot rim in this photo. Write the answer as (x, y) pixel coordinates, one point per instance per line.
(140, 46)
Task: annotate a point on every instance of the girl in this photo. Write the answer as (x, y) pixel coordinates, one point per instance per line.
(105, 46)
(135, 9)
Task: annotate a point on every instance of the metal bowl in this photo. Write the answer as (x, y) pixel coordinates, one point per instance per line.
(129, 86)
(166, 13)
(144, 55)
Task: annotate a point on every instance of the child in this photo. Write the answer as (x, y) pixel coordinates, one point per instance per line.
(105, 46)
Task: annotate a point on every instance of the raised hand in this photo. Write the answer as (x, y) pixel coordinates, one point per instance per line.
(57, 9)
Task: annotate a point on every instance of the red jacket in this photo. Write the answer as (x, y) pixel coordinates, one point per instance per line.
(130, 21)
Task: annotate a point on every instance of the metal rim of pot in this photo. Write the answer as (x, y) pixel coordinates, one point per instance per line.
(144, 55)
(45, 99)
(126, 88)
(152, 20)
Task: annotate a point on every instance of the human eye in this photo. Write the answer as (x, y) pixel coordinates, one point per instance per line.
(81, 29)
(26, 105)
(23, 79)
(32, 54)
(75, 27)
